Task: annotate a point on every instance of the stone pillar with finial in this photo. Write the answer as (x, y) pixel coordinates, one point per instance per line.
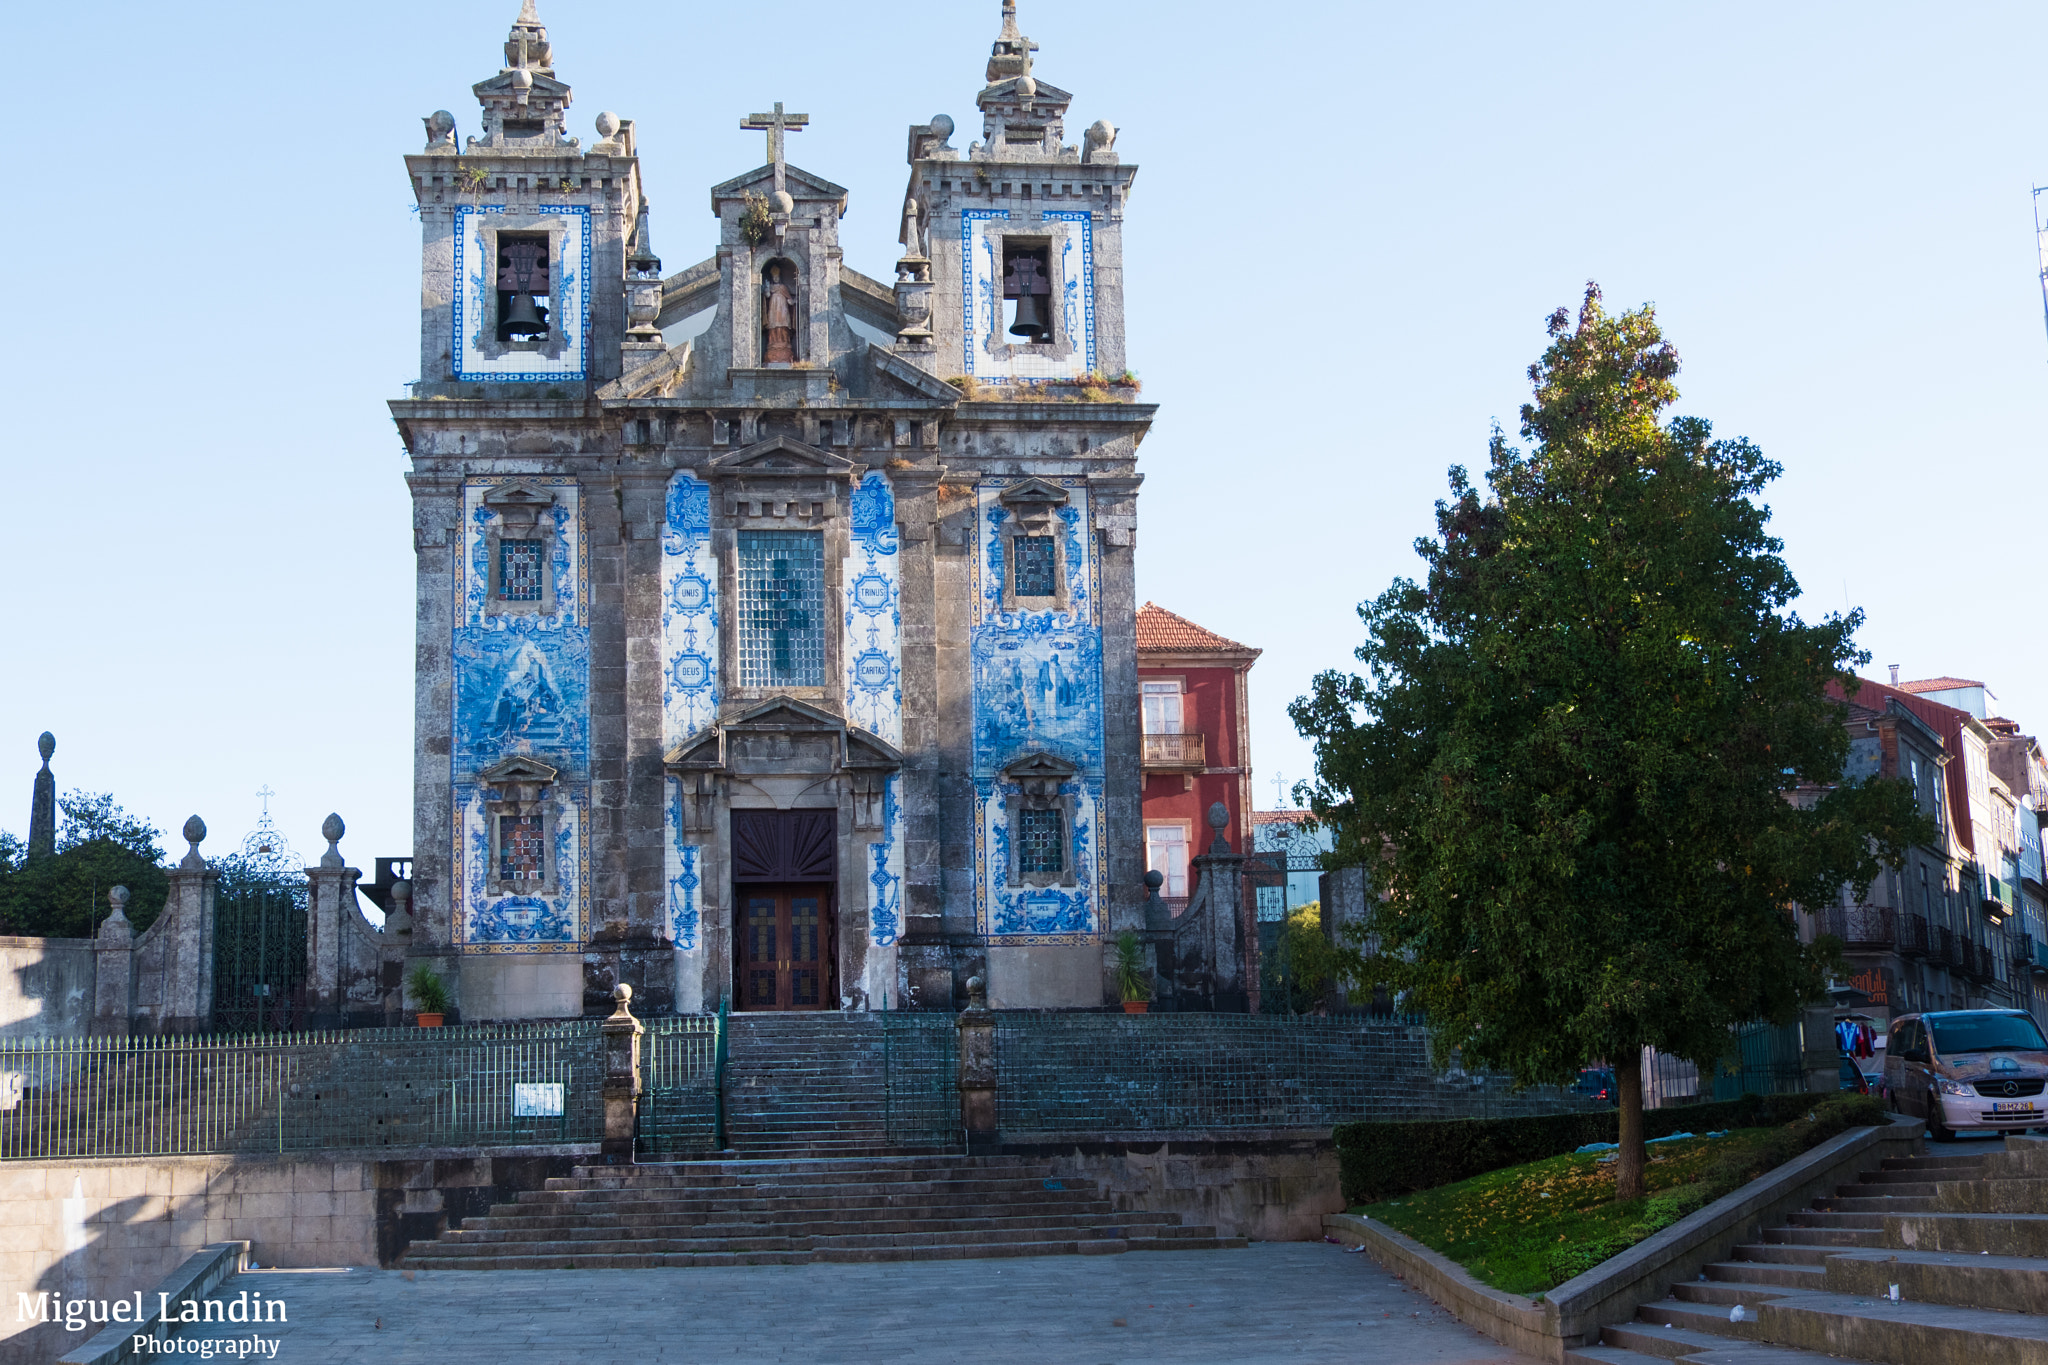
(621, 1077)
(1213, 926)
(42, 810)
(174, 958)
(330, 891)
(977, 1073)
(113, 994)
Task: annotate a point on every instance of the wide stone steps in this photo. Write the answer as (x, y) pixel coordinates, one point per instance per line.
(1973, 1287)
(790, 1212)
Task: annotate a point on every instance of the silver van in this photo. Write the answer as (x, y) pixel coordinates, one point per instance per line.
(1968, 1070)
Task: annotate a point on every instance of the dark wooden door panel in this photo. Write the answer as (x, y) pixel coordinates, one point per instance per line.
(785, 948)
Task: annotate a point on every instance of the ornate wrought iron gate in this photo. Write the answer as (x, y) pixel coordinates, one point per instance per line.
(259, 959)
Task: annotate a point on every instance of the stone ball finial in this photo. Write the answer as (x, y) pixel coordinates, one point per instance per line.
(440, 127)
(1102, 134)
(331, 829)
(522, 79)
(781, 202)
(1154, 880)
(622, 993)
(195, 831)
(46, 744)
(117, 896)
(607, 125)
(1219, 815)
(399, 920)
(942, 124)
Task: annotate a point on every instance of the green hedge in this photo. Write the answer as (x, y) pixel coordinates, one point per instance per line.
(1381, 1160)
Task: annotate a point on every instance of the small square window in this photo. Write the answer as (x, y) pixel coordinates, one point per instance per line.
(519, 571)
(1040, 842)
(521, 856)
(1035, 567)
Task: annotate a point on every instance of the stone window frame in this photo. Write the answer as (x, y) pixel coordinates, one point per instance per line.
(520, 786)
(1035, 782)
(1033, 508)
(555, 344)
(1052, 237)
(519, 511)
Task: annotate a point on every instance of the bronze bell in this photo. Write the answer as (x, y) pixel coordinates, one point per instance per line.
(522, 321)
(1025, 282)
(1031, 323)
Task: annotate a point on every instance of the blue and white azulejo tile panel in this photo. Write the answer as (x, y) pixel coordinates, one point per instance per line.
(989, 356)
(521, 686)
(872, 646)
(690, 680)
(526, 922)
(474, 348)
(1037, 678)
(885, 868)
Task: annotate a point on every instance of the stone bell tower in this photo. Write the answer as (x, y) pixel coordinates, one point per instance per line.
(1021, 235)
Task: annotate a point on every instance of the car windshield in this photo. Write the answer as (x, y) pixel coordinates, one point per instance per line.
(1960, 1033)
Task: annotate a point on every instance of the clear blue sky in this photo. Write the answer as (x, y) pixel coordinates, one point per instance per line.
(1349, 224)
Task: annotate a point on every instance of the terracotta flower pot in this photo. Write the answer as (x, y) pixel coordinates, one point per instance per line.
(429, 1020)
(1136, 1006)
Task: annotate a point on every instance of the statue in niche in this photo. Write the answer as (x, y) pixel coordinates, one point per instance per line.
(913, 231)
(779, 319)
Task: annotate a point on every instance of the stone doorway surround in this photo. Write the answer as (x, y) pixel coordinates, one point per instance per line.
(784, 791)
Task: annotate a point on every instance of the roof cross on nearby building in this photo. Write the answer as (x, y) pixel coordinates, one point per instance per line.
(776, 125)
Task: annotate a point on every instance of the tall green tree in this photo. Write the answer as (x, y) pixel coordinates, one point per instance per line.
(1568, 762)
(99, 846)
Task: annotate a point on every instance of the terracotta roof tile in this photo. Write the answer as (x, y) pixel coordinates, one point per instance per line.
(1280, 817)
(1160, 629)
(1938, 685)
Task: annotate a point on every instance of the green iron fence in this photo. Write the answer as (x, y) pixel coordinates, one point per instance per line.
(1762, 1059)
(483, 1086)
(920, 1086)
(1109, 1073)
(678, 1111)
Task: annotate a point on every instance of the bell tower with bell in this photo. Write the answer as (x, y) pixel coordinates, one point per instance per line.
(1013, 249)
(526, 235)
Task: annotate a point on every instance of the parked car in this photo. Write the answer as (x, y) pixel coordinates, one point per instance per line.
(1852, 1076)
(1968, 1070)
(1597, 1083)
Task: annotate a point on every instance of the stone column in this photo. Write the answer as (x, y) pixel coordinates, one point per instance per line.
(186, 994)
(621, 1077)
(1225, 957)
(1346, 911)
(977, 1074)
(327, 892)
(113, 997)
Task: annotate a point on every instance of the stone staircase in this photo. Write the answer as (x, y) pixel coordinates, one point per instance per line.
(792, 1212)
(1964, 1236)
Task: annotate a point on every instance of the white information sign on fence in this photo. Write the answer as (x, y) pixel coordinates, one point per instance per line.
(536, 1100)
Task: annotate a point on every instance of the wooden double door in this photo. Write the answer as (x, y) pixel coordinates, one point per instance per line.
(785, 947)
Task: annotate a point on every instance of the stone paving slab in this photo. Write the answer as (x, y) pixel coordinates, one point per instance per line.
(1273, 1302)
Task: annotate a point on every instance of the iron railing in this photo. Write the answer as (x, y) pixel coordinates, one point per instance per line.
(1943, 949)
(481, 1086)
(1913, 935)
(1173, 751)
(1763, 1059)
(679, 1110)
(1120, 1073)
(920, 1071)
(1859, 926)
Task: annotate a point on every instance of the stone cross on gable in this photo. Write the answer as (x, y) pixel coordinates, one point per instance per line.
(775, 125)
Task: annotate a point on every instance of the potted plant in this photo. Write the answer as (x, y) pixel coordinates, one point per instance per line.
(429, 994)
(1132, 983)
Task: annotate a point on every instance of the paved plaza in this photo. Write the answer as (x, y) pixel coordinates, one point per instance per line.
(1275, 1301)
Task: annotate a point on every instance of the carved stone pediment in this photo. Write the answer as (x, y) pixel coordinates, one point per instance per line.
(518, 771)
(783, 735)
(1038, 769)
(780, 457)
(1034, 495)
(904, 375)
(519, 501)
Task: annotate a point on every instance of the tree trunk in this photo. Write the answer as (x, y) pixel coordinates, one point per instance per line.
(1628, 1087)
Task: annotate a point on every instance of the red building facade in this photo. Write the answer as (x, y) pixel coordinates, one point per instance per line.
(1197, 742)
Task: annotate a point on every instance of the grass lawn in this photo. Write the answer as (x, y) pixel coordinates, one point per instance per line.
(1502, 1225)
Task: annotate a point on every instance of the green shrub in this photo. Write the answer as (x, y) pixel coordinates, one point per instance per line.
(1386, 1160)
(1825, 1119)
(427, 989)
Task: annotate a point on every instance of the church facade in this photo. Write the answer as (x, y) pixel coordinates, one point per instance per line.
(790, 665)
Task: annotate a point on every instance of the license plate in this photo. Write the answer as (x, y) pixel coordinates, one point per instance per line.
(2012, 1107)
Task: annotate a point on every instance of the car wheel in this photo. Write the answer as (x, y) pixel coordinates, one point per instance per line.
(1937, 1130)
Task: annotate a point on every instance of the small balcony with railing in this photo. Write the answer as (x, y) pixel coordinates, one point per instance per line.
(1913, 937)
(1174, 754)
(1860, 926)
